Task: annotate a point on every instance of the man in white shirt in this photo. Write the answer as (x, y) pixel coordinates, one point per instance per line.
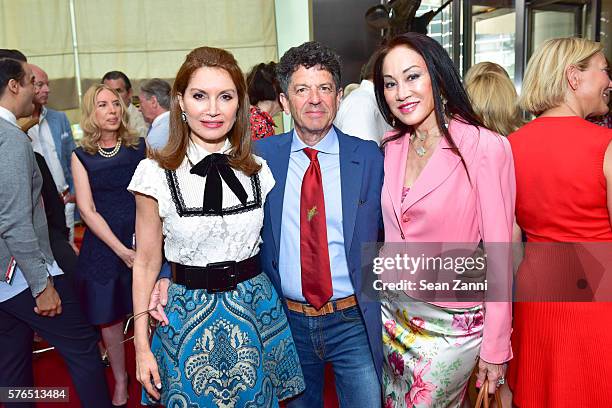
(121, 83)
(155, 105)
(52, 138)
(359, 114)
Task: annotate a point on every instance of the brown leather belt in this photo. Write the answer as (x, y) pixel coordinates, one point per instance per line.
(330, 307)
(215, 277)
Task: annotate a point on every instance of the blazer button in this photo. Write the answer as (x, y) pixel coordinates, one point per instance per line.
(405, 218)
(274, 265)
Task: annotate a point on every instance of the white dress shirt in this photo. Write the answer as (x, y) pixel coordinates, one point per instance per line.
(289, 254)
(136, 121)
(359, 115)
(43, 144)
(158, 134)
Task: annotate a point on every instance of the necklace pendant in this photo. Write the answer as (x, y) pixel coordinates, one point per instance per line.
(420, 151)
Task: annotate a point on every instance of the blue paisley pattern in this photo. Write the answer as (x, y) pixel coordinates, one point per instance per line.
(228, 350)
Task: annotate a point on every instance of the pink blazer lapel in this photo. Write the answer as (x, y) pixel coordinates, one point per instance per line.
(396, 153)
(440, 166)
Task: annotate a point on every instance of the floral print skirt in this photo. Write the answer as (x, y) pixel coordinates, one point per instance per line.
(429, 352)
(231, 349)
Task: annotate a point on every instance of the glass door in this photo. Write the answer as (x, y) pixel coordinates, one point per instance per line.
(507, 31)
(552, 19)
(494, 34)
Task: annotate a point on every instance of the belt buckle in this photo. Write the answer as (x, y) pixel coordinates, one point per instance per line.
(225, 276)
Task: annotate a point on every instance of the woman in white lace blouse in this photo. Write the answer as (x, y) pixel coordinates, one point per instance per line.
(227, 341)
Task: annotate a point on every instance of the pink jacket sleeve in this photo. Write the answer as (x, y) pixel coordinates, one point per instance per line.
(496, 192)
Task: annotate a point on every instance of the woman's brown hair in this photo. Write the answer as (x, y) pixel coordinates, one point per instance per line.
(240, 156)
(91, 130)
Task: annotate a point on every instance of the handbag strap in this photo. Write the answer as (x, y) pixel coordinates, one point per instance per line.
(483, 400)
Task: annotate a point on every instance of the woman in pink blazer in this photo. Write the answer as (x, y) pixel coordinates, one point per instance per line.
(447, 180)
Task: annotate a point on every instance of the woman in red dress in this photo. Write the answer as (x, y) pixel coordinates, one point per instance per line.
(562, 337)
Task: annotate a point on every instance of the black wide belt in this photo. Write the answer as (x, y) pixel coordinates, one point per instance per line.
(216, 277)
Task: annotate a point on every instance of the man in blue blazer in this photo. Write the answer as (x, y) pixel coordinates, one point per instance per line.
(63, 140)
(344, 328)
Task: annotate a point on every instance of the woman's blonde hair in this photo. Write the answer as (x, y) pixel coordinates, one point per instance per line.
(494, 98)
(240, 156)
(545, 83)
(483, 68)
(91, 130)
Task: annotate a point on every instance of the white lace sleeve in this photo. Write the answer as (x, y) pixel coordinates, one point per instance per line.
(265, 177)
(146, 179)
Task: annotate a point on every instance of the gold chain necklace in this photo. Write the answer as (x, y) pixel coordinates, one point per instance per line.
(113, 152)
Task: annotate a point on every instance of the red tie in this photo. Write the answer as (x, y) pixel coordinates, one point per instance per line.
(314, 253)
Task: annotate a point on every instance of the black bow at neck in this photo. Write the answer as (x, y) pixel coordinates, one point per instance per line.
(214, 167)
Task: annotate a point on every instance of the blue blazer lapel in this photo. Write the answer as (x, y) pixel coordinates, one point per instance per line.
(279, 164)
(351, 169)
(56, 130)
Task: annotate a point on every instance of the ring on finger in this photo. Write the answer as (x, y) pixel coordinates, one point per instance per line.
(501, 381)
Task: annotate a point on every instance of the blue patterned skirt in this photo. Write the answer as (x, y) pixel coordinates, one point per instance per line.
(230, 349)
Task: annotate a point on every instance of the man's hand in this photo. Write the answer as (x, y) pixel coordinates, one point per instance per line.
(159, 299)
(48, 302)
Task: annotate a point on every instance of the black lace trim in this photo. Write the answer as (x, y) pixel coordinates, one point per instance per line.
(184, 211)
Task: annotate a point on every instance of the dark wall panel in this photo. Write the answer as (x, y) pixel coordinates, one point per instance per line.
(340, 24)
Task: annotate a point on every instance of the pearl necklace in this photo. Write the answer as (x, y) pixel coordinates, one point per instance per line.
(113, 152)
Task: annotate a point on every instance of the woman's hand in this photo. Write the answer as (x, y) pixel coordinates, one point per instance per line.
(495, 374)
(147, 373)
(127, 256)
(158, 300)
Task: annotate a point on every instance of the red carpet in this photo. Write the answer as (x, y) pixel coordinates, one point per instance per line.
(50, 371)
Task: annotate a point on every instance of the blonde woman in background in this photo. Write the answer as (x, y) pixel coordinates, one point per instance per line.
(102, 168)
(561, 337)
(493, 97)
(484, 68)
(499, 112)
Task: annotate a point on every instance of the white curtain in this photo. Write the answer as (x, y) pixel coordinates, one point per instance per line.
(143, 38)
